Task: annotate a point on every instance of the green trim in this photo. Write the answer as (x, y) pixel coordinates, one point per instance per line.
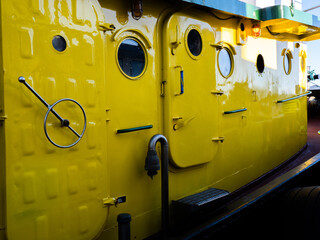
(292, 98)
(284, 12)
(134, 129)
(231, 6)
(246, 10)
(235, 111)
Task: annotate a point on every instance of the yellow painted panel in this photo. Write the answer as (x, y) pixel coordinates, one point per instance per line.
(191, 116)
(53, 193)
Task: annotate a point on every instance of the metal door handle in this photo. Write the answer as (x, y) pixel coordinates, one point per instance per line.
(181, 81)
(182, 123)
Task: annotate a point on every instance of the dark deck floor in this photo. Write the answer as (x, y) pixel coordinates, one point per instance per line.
(266, 220)
(269, 220)
(313, 136)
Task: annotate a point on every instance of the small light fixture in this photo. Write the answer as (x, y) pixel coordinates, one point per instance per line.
(136, 9)
(256, 30)
(242, 36)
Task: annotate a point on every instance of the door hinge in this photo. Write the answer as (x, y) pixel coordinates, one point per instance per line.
(2, 118)
(163, 85)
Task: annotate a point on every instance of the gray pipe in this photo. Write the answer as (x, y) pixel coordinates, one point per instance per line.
(152, 159)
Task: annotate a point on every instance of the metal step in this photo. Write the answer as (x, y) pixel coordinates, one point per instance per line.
(187, 210)
(203, 198)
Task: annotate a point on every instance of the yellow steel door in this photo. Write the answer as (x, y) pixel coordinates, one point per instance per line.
(133, 118)
(191, 105)
(52, 192)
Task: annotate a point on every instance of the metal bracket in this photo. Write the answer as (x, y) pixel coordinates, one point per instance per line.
(217, 46)
(110, 201)
(217, 92)
(102, 26)
(218, 139)
(175, 44)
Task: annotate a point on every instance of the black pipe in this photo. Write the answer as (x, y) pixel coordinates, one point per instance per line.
(152, 168)
(124, 220)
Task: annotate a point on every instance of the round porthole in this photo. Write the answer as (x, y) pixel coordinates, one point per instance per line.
(260, 63)
(131, 58)
(194, 42)
(225, 62)
(287, 63)
(59, 43)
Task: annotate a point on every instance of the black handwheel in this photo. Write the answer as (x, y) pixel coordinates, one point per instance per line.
(65, 123)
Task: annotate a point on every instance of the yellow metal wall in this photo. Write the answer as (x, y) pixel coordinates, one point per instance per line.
(54, 193)
(133, 103)
(2, 147)
(255, 141)
(57, 193)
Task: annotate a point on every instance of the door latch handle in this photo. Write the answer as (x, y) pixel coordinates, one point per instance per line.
(181, 81)
(182, 123)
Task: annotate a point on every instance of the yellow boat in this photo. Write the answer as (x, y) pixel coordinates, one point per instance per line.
(88, 88)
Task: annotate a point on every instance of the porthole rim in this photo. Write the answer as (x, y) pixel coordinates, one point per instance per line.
(264, 66)
(288, 55)
(62, 34)
(231, 60)
(140, 42)
(189, 29)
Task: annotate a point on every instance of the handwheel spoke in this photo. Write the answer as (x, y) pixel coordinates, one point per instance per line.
(23, 81)
(74, 131)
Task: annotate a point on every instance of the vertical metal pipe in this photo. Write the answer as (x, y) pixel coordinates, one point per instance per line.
(124, 220)
(164, 178)
(165, 186)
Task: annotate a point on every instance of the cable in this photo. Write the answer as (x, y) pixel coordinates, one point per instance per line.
(272, 33)
(307, 10)
(222, 18)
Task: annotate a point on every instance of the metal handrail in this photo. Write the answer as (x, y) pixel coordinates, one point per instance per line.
(235, 111)
(292, 98)
(134, 129)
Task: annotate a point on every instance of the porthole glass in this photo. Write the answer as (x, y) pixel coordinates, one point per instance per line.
(59, 43)
(287, 63)
(225, 62)
(131, 57)
(260, 63)
(194, 42)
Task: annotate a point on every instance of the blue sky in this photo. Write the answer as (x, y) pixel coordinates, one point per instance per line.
(313, 53)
